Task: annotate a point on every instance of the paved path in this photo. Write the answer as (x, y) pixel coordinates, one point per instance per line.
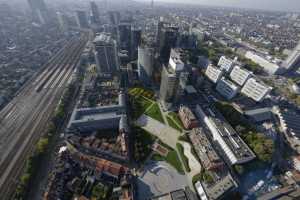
(165, 133)
(193, 162)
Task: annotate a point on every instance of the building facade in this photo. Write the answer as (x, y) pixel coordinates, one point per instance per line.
(225, 64)
(145, 63)
(239, 75)
(106, 54)
(256, 90)
(187, 118)
(213, 73)
(227, 88)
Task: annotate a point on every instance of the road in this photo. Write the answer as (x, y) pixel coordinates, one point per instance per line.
(24, 119)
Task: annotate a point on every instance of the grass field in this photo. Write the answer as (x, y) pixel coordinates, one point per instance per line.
(175, 117)
(173, 125)
(183, 157)
(155, 113)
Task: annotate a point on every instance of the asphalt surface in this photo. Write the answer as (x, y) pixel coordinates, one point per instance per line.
(24, 119)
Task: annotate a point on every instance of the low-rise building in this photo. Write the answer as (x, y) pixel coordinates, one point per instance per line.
(239, 75)
(256, 90)
(213, 73)
(227, 88)
(187, 117)
(234, 149)
(209, 158)
(268, 66)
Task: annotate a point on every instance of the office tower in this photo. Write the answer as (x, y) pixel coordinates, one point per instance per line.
(168, 40)
(145, 63)
(293, 60)
(135, 41)
(124, 36)
(106, 54)
(256, 89)
(170, 89)
(186, 41)
(81, 19)
(95, 16)
(152, 4)
(114, 17)
(39, 10)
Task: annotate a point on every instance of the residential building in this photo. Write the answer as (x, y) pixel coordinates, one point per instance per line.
(234, 149)
(213, 73)
(227, 88)
(187, 117)
(225, 64)
(106, 54)
(240, 75)
(256, 90)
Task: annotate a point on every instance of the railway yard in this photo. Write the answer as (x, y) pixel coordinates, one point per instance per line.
(24, 119)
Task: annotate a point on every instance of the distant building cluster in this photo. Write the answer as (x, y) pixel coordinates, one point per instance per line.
(242, 81)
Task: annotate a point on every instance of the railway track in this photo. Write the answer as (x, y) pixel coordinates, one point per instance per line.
(44, 102)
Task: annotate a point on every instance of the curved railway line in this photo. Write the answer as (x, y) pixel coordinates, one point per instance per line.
(23, 121)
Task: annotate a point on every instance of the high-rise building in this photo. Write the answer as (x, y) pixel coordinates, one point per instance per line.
(39, 10)
(106, 54)
(170, 89)
(152, 4)
(114, 17)
(124, 36)
(293, 60)
(82, 19)
(95, 16)
(256, 90)
(145, 63)
(135, 41)
(168, 39)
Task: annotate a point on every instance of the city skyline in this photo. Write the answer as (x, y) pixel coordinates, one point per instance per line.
(276, 5)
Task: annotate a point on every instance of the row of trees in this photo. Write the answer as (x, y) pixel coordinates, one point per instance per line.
(259, 143)
(34, 161)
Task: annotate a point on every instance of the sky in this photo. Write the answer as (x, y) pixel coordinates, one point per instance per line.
(281, 5)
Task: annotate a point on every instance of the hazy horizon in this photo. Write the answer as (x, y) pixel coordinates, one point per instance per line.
(279, 5)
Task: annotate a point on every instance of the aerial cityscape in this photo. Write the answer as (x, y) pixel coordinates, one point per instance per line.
(149, 100)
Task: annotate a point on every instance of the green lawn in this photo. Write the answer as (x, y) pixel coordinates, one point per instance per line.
(175, 117)
(173, 125)
(155, 113)
(172, 159)
(183, 157)
(139, 106)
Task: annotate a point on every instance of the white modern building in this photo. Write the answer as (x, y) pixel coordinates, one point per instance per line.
(240, 75)
(213, 73)
(227, 88)
(256, 90)
(234, 149)
(268, 66)
(226, 64)
(293, 59)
